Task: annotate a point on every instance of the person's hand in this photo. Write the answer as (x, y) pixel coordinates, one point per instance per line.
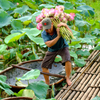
(61, 24)
(58, 32)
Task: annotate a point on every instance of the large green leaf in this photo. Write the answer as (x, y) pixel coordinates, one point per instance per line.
(17, 24)
(31, 4)
(13, 37)
(31, 32)
(98, 40)
(86, 10)
(85, 40)
(61, 1)
(25, 18)
(40, 89)
(71, 11)
(46, 6)
(68, 5)
(37, 40)
(74, 42)
(79, 62)
(82, 25)
(5, 19)
(33, 74)
(96, 31)
(5, 87)
(21, 10)
(58, 58)
(3, 78)
(2, 48)
(83, 53)
(73, 54)
(97, 47)
(4, 4)
(90, 37)
(28, 93)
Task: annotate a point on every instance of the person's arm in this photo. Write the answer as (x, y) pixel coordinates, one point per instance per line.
(54, 41)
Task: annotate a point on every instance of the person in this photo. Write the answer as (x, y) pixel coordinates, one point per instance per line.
(56, 46)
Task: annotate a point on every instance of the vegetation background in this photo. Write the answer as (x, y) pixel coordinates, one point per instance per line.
(21, 41)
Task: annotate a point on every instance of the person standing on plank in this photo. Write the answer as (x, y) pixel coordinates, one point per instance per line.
(56, 46)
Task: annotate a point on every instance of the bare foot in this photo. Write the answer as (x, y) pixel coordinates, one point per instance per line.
(68, 81)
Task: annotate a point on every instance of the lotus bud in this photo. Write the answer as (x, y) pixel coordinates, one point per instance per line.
(52, 12)
(64, 20)
(38, 19)
(61, 8)
(39, 26)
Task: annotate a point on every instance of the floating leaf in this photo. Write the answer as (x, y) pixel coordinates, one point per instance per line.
(19, 83)
(5, 19)
(3, 78)
(33, 74)
(13, 37)
(28, 93)
(40, 89)
(5, 87)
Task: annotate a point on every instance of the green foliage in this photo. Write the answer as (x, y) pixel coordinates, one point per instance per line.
(58, 58)
(21, 10)
(4, 4)
(13, 37)
(5, 19)
(19, 33)
(39, 88)
(5, 86)
(79, 62)
(16, 24)
(86, 10)
(33, 74)
(96, 98)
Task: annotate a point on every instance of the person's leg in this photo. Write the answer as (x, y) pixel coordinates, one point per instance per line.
(66, 61)
(68, 72)
(47, 64)
(46, 77)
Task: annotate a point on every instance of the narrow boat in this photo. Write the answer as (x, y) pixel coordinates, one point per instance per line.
(57, 73)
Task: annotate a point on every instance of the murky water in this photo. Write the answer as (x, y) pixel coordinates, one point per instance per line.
(15, 72)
